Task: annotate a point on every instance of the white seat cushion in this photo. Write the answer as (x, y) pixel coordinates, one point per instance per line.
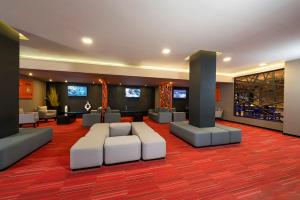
(119, 129)
(122, 149)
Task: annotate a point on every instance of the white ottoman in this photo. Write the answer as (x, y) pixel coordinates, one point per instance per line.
(122, 149)
(86, 152)
(119, 129)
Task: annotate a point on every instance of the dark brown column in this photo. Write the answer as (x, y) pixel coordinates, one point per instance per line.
(9, 80)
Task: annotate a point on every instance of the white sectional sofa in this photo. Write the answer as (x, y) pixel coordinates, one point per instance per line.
(116, 143)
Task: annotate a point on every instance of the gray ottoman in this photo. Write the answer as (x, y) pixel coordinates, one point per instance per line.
(234, 133)
(86, 152)
(90, 119)
(219, 136)
(178, 116)
(119, 129)
(122, 149)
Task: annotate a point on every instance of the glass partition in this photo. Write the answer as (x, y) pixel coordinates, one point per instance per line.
(260, 96)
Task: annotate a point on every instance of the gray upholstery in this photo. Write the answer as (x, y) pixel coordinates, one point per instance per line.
(119, 129)
(219, 136)
(17, 146)
(153, 145)
(195, 136)
(28, 118)
(86, 152)
(179, 116)
(234, 133)
(110, 117)
(160, 115)
(122, 149)
(90, 119)
(200, 137)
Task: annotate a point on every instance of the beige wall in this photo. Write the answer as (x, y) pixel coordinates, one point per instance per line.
(39, 95)
(227, 93)
(292, 98)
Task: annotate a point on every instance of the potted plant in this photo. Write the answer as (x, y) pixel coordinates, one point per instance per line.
(52, 97)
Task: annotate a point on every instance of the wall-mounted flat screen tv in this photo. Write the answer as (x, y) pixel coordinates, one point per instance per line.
(132, 92)
(77, 91)
(179, 94)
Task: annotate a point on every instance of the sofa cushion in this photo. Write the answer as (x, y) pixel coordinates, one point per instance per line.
(42, 108)
(119, 129)
(122, 149)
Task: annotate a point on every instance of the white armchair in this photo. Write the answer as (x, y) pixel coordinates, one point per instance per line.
(28, 118)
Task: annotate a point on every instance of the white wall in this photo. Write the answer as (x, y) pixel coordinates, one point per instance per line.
(292, 98)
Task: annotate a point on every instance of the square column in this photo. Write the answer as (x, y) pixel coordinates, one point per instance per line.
(202, 89)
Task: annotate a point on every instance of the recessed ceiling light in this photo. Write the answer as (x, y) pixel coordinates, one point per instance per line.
(262, 64)
(50, 80)
(227, 59)
(187, 58)
(30, 74)
(66, 81)
(93, 82)
(87, 40)
(145, 85)
(120, 83)
(166, 51)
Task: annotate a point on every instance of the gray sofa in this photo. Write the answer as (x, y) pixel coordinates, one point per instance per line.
(200, 137)
(17, 146)
(110, 117)
(91, 119)
(160, 115)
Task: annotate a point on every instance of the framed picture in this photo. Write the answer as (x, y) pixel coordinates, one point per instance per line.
(25, 89)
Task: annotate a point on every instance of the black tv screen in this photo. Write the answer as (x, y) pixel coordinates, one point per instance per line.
(132, 92)
(179, 94)
(77, 91)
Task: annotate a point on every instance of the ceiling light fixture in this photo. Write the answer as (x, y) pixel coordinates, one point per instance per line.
(50, 80)
(166, 51)
(22, 37)
(66, 81)
(187, 58)
(262, 64)
(87, 40)
(227, 59)
(120, 83)
(30, 74)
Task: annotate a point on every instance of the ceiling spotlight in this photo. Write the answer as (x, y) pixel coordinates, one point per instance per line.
(30, 74)
(66, 81)
(93, 82)
(145, 85)
(227, 59)
(262, 64)
(187, 58)
(87, 40)
(100, 80)
(120, 83)
(166, 51)
(50, 80)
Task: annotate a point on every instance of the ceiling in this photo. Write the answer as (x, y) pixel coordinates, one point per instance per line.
(90, 78)
(133, 32)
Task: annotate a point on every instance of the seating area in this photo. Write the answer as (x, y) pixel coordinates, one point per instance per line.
(149, 99)
(209, 136)
(116, 143)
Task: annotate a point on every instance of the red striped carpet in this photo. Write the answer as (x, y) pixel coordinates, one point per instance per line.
(266, 165)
